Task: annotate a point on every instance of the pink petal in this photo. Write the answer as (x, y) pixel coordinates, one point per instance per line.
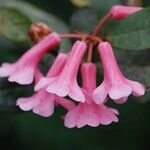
(7, 69)
(138, 89)
(100, 93)
(72, 116)
(106, 116)
(59, 88)
(119, 91)
(29, 103)
(24, 76)
(76, 92)
(46, 106)
(43, 83)
(87, 117)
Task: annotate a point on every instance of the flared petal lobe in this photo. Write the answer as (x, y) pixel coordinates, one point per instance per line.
(90, 114)
(119, 12)
(23, 70)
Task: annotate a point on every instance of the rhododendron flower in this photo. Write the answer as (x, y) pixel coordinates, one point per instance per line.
(115, 84)
(89, 113)
(65, 83)
(42, 102)
(119, 12)
(23, 70)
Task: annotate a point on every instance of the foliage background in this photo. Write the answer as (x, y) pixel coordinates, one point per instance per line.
(23, 131)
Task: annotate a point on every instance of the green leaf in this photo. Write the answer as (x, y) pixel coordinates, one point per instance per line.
(14, 25)
(37, 15)
(132, 33)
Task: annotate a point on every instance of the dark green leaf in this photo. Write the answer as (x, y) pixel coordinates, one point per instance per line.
(133, 32)
(14, 25)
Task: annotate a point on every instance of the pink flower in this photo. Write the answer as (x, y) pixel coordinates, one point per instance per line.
(119, 12)
(115, 84)
(65, 83)
(89, 113)
(23, 70)
(42, 102)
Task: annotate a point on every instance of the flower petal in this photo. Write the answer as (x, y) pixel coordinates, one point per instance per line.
(106, 115)
(43, 83)
(88, 117)
(100, 93)
(59, 88)
(29, 103)
(76, 93)
(23, 76)
(119, 91)
(7, 69)
(46, 106)
(138, 89)
(72, 116)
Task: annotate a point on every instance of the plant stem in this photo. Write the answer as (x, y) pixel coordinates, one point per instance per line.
(76, 36)
(101, 23)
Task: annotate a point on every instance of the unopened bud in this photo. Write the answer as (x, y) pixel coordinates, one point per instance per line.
(38, 31)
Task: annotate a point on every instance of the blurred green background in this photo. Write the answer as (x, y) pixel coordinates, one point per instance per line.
(22, 131)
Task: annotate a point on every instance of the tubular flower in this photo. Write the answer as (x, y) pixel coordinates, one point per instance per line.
(23, 70)
(89, 113)
(119, 12)
(42, 102)
(65, 83)
(114, 84)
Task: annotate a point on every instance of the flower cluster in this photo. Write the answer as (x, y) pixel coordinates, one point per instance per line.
(86, 105)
